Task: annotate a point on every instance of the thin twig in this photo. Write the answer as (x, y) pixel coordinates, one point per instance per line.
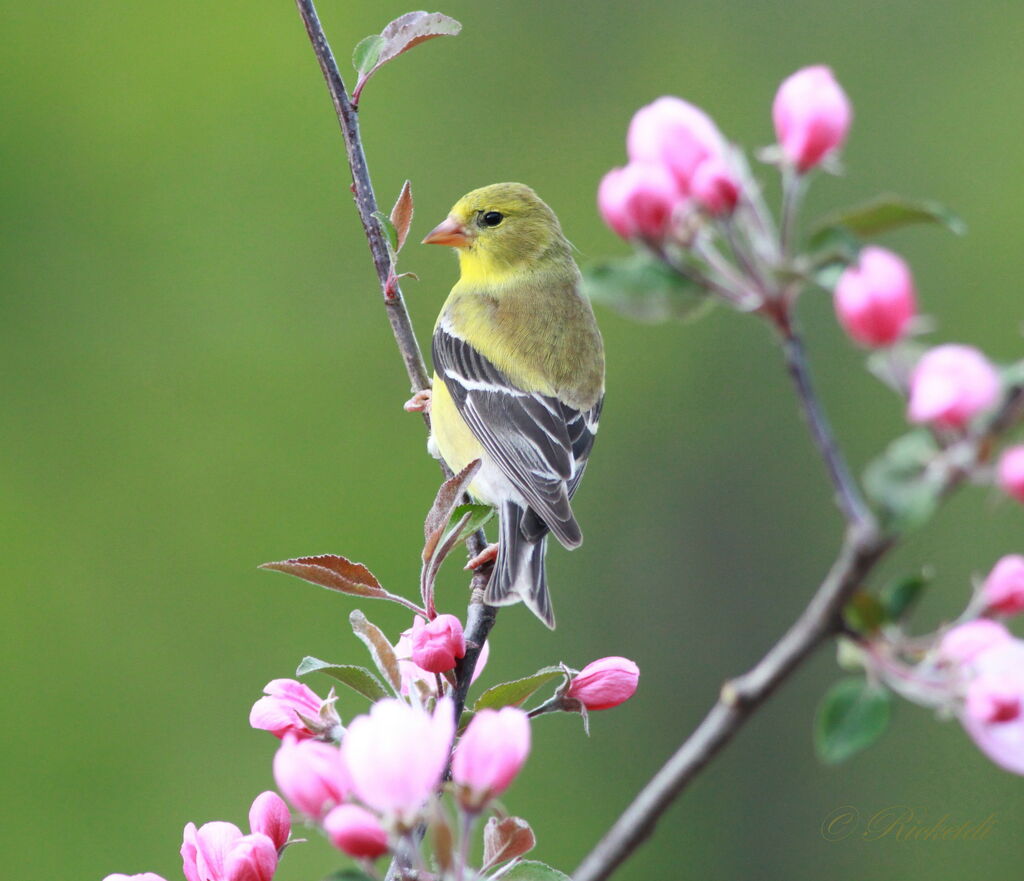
(862, 548)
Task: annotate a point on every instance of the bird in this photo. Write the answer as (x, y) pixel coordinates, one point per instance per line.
(518, 380)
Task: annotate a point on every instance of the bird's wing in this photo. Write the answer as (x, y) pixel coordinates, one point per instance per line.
(538, 442)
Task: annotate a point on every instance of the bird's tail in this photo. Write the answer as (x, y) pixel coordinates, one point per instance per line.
(519, 571)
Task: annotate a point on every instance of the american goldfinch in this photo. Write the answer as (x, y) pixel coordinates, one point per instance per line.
(518, 379)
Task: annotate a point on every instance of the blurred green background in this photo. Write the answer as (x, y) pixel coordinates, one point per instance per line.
(198, 376)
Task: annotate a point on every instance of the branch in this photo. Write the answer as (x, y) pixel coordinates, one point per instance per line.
(862, 548)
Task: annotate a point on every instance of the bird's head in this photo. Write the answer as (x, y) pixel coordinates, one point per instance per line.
(500, 228)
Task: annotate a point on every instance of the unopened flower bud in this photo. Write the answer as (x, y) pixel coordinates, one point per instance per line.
(676, 135)
(812, 116)
(143, 876)
(438, 644)
(963, 643)
(490, 754)
(951, 385)
(311, 774)
(1011, 473)
(605, 683)
(269, 815)
(356, 832)
(288, 706)
(715, 186)
(874, 298)
(993, 711)
(639, 201)
(1003, 590)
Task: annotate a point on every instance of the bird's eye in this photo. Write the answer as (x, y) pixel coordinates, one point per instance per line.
(491, 218)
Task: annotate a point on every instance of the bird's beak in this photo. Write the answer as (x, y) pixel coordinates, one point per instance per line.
(448, 232)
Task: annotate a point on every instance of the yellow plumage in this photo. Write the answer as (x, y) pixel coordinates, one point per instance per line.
(519, 377)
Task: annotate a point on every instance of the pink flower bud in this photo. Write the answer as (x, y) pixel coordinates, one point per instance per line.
(414, 674)
(490, 754)
(269, 815)
(951, 385)
(279, 711)
(963, 643)
(1011, 473)
(715, 187)
(992, 713)
(1003, 590)
(638, 201)
(144, 876)
(356, 832)
(673, 133)
(812, 116)
(874, 298)
(397, 755)
(220, 852)
(311, 774)
(438, 644)
(605, 683)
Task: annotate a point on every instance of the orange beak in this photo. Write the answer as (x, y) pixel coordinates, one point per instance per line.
(448, 232)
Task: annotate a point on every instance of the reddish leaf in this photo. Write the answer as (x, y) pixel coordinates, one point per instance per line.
(401, 215)
(397, 37)
(382, 652)
(334, 573)
(448, 497)
(506, 839)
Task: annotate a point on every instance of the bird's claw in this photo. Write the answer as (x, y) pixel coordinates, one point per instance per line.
(419, 402)
(488, 555)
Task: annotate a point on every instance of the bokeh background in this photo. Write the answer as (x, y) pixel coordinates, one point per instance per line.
(197, 376)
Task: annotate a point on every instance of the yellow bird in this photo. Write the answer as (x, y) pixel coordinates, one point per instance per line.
(518, 379)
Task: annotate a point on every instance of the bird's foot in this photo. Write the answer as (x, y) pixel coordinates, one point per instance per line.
(487, 555)
(419, 402)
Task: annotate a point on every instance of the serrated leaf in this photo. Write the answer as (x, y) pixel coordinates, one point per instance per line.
(643, 288)
(381, 650)
(505, 839)
(888, 212)
(333, 572)
(359, 679)
(366, 53)
(397, 37)
(851, 716)
(389, 231)
(514, 693)
(900, 483)
(440, 513)
(532, 870)
(900, 595)
(401, 215)
(864, 613)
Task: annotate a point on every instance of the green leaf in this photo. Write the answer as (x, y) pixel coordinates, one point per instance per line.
(382, 652)
(532, 870)
(888, 212)
(389, 231)
(350, 873)
(851, 716)
(900, 595)
(366, 53)
(512, 694)
(643, 288)
(359, 679)
(479, 516)
(864, 613)
(900, 484)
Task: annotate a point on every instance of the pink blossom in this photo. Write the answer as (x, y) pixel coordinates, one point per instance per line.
(286, 701)
(812, 116)
(715, 186)
(269, 815)
(951, 385)
(428, 681)
(875, 299)
(1011, 472)
(963, 643)
(397, 755)
(438, 644)
(674, 134)
(1003, 589)
(605, 683)
(639, 201)
(993, 713)
(311, 774)
(144, 876)
(219, 851)
(356, 832)
(490, 754)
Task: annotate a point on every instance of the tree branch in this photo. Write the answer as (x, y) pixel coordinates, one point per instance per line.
(862, 548)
